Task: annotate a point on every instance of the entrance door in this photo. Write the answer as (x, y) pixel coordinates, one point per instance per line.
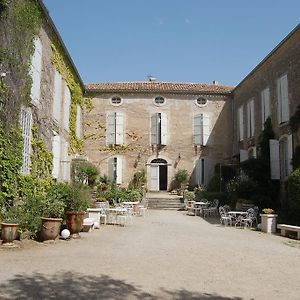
(154, 177)
(163, 178)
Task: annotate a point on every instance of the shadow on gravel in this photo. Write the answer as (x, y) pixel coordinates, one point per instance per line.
(78, 286)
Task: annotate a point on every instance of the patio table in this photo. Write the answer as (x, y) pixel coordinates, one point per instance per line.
(198, 206)
(235, 213)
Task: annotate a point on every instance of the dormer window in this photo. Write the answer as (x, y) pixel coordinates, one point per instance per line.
(116, 101)
(159, 101)
(201, 101)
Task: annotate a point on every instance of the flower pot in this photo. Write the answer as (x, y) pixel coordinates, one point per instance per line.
(50, 228)
(75, 222)
(8, 232)
(268, 223)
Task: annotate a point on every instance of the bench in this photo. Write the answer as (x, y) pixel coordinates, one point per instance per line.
(284, 228)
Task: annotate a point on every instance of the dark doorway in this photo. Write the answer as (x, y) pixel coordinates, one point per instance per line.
(163, 177)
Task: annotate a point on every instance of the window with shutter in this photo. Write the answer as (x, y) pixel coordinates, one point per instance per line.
(119, 128)
(115, 128)
(154, 129)
(115, 169)
(79, 121)
(65, 161)
(159, 131)
(26, 123)
(57, 96)
(56, 155)
(240, 123)
(283, 99)
(265, 106)
(36, 71)
(163, 129)
(274, 159)
(67, 103)
(119, 168)
(198, 129)
(206, 129)
(250, 118)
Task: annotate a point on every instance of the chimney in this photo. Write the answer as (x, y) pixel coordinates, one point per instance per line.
(151, 78)
(215, 82)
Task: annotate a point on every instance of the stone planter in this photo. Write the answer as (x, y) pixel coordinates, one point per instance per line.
(50, 228)
(8, 232)
(75, 222)
(268, 223)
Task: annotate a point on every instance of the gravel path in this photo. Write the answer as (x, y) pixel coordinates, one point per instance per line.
(166, 255)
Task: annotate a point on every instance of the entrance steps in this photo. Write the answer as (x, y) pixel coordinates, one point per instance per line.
(164, 200)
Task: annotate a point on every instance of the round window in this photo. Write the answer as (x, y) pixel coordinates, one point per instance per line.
(201, 101)
(159, 100)
(116, 100)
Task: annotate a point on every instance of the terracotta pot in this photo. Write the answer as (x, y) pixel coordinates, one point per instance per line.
(8, 232)
(75, 222)
(50, 228)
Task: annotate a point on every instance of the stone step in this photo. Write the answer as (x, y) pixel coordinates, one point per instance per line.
(164, 203)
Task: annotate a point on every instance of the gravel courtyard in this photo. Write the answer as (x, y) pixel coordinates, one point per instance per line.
(166, 255)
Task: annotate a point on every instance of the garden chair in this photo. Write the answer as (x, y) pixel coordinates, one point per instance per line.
(249, 219)
(212, 210)
(224, 217)
(190, 208)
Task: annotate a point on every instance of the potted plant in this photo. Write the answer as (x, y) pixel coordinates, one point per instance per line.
(182, 177)
(10, 225)
(268, 220)
(52, 209)
(75, 207)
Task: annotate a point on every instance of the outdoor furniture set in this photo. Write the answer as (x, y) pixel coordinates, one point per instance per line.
(203, 207)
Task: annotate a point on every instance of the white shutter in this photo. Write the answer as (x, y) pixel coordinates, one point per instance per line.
(57, 96)
(164, 128)
(252, 117)
(67, 103)
(284, 99)
(56, 155)
(26, 121)
(267, 103)
(154, 129)
(274, 159)
(79, 121)
(119, 128)
(244, 155)
(248, 120)
(36, 71)
(65, 162)
(110, 128)
(111, 168)
(290, 153)
(241, 123)
(198, 130)
(119, 170)
(206, 128)
(279, 101)
(154, 178)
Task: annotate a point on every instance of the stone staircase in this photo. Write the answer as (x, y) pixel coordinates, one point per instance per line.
(164, 200)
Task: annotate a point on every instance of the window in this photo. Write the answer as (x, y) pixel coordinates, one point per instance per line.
(159, 101)
(250, 118)
(283, 99)
(265, 106)
(115, 169)
(26, 122)
(116, 101)
(67, 103)
(240, 118)
(79, 121)
(202, 171)
(201, 101)
(201, 129)
(56, 155)
(159, 129)
(36, 71)
(115, 128)
(57, 96)
(65, 161)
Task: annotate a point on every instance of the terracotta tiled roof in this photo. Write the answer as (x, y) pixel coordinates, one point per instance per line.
(166, 87)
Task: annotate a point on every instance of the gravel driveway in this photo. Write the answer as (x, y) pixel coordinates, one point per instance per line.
(166, 255)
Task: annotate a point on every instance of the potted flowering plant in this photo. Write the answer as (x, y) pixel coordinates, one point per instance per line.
(10, 224)
(268, 220)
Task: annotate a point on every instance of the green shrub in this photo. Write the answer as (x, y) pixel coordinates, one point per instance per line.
(190, 196)
(182, 176)
(210, 196)
(294, 190)
(84, 171)
(214, 184)
(79, 199)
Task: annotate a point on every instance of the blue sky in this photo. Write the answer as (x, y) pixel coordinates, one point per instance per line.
(180, 41)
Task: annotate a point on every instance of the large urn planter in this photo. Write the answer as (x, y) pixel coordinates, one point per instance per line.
(74, 221)
(268, 223)
(50, 228)
(9, 233)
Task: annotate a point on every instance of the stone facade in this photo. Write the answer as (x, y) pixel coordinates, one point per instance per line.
(179, 152)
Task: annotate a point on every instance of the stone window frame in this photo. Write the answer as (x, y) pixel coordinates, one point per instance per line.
(199, 104)
(159, 104)
(116, 97)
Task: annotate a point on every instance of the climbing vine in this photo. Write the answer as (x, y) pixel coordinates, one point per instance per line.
(60, 61)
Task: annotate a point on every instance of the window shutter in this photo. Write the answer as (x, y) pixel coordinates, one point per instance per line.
(290, 153)
(65, 161)
(248, 120)
(154, 129)
(164, 129)
(274, 159)
(36, 71)
(119, 128)
(56, 155)
(252, 117)
(263, 108)
(154, 178)
(284, 98)
(267, 104)
(206, 128)
(198, 130)
(241, 123)
(244, 155)
(67, 104)
(57, 96)
(111, 168)
(110, 128)
(119, 170)
(79, 121)
(26, 121)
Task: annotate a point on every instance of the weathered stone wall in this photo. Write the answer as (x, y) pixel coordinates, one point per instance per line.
(180, 152)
